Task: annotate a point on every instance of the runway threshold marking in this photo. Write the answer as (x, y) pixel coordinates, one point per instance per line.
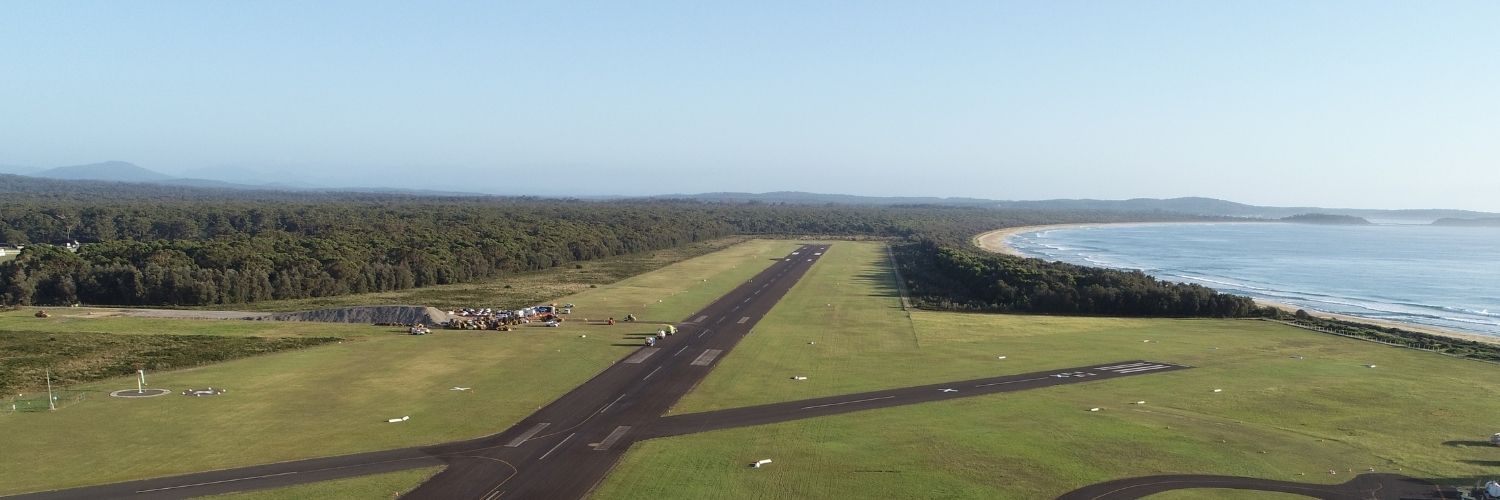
(554, 448)
(743, 320)
(527, 435)
(847, 402)
(707, 357)
(1012, 382)
(613, 436)
(641, 355)
(1142, 369)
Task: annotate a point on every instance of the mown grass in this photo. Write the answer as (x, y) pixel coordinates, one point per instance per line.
(335, 398)
(377, 486)
(1277, 416)
(75, 358)
(517, 290)
(105, 320)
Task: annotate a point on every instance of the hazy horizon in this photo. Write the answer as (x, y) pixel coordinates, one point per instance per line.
(1334, 104)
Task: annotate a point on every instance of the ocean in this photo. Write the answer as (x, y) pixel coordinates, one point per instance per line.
(1446, 277)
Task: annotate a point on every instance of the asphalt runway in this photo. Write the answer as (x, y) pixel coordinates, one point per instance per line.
(1362, 487)
(561, 451)
(564, 449)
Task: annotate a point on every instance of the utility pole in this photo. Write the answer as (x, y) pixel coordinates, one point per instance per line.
(51, 403)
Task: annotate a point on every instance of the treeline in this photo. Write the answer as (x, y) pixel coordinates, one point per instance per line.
(205, 253)
(955, 277)
(170, 246)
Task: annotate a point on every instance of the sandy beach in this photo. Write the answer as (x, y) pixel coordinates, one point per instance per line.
(994, 241)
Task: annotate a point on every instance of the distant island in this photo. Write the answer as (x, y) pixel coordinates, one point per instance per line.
(1340, 220)
(1485, 222)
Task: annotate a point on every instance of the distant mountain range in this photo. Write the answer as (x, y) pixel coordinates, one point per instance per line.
(1188, 206)
(120, 171)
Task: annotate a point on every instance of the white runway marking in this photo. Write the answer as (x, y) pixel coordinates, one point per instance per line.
(1012, 382)
(535, 429)
(1142, 369)
(679, 351)
(641, 355)
(707, 357)
(554, 448)
(700, 319)
(742, 320)
(847, 402)
(1120, 366)
(648, 375)
(721, 320)
(736, 308)
(702, 333)
(613, 436)
(617, 399)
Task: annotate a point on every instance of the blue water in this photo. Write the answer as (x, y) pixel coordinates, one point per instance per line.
(1446, 277)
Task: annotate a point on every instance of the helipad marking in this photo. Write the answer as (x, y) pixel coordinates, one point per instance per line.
(707, 357)
(641, 355)
(527, 435)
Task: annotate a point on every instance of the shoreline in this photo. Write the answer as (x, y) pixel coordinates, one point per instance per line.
(995, 241)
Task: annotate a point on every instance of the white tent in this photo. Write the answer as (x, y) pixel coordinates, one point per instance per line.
(1495, 439)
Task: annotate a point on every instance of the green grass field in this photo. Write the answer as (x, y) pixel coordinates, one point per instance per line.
(1277, 416)
(388, 485)
(334, 399)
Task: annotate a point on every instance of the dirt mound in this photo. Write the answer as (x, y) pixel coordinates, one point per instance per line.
(367, 314)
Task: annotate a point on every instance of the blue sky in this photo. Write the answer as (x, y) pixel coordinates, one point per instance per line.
(1350, 104)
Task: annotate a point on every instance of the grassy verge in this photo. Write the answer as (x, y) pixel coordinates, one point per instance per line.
(517, 290)
(338, 396)
(1294, 404)
(378, 486)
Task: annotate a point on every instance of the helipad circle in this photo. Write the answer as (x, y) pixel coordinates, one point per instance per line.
(147, 393)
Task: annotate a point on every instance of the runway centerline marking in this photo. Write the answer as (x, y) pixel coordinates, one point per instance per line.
(847, 402)
(1011, 382)
(612, 403)
(743, 320)
(721, 320)
(653, 372)
(535, 429)
(707, 357)
(679, 351)
(641, 355)
(613, 436)
(702, 333)
(554, 448)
